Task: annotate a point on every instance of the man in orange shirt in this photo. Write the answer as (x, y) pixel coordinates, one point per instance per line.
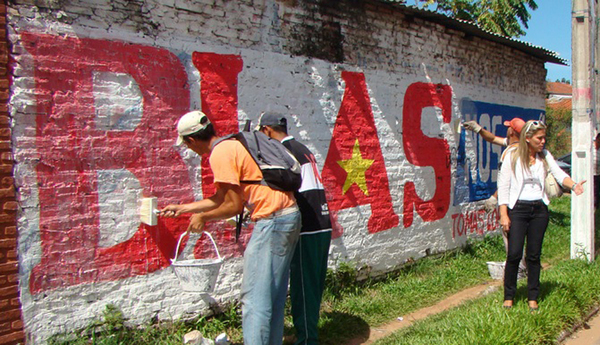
(269, 252)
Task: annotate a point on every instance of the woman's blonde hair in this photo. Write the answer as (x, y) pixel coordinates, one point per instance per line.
(522, 151)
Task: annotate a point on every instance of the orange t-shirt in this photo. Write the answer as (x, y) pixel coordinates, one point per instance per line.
(231, 163)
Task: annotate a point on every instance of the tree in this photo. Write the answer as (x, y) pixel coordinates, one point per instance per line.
(503, 17)
(558, 131)
(562, 80)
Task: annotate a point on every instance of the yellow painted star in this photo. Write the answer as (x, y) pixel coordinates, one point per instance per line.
(355, 168)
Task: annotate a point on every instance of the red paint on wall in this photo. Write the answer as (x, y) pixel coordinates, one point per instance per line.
(584, 93)
(71, 152)
(422, 150)
(219, 98)
(355, 122)
(477, 221)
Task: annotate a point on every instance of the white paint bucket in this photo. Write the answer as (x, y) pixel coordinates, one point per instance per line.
(197, 275)
(496, 269)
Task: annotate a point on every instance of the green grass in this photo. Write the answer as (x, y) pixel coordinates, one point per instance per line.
(570, 288)
(113, 330)
(568, 291)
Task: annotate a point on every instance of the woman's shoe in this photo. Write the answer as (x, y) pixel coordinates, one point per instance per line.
(533, 305)
(507, 304)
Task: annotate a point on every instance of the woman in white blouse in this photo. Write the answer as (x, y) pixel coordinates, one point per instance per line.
(523, 207)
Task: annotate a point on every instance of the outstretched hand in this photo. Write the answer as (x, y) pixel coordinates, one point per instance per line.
(472, 126)
(578, 187)
(171, 211)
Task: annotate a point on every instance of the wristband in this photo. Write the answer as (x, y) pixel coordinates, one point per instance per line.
(573, 186)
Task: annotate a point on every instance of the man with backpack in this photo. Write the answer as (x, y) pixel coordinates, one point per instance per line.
(309, 264)
(239, 181)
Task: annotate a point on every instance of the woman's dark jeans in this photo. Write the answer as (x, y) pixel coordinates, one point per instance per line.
(528, 219)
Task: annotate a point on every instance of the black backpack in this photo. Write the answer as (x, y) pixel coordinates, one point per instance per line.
(280, 169)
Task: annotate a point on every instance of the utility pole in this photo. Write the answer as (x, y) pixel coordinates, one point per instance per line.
(595, 46)
(582, 206)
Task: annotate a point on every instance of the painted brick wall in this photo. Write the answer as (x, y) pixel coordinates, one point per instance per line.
(99, 85)
(11, 326)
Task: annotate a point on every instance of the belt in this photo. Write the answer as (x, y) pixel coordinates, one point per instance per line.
(284, 211)
(530, 202)
(279, 213)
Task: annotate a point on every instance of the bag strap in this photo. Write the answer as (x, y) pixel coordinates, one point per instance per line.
(258, 153)
(238, 225)
(240, 219)
(546, 165)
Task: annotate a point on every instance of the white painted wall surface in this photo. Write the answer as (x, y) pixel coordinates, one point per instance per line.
(279, 72)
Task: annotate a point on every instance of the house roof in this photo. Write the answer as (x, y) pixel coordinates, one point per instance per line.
(565, 103)
(473, 29)
(556, 88)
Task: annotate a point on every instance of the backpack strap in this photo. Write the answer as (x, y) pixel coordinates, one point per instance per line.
(240, 137)
(240, 219)
(257, 145)
(227, 137)
(238, 225)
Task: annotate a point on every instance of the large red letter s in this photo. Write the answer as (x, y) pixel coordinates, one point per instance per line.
(425, 151)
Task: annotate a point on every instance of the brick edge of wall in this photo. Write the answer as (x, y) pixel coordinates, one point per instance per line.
(11, 324)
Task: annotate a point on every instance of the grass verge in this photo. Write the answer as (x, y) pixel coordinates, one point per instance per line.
(350, 310)
(570, 289)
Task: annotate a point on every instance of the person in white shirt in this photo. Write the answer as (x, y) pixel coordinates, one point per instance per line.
(511, 142)
(523, 205)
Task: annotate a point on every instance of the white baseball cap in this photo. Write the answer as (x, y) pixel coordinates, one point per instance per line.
(191, 123)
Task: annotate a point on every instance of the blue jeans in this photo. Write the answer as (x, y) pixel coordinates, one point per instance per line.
(528, 219)
(266, 274)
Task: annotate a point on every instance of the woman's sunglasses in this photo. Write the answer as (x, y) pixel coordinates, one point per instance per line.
(531, 124)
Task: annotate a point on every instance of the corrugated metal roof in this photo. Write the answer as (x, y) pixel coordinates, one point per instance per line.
(473, 29)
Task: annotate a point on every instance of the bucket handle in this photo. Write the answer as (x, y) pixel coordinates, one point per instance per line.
(187, 233)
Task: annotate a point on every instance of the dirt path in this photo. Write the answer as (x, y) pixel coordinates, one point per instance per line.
(588, 332)
(450, 302)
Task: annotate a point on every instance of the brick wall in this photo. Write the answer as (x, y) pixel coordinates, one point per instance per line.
(11, 326)
(97, 90)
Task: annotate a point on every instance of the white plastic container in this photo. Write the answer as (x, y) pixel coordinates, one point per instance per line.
(496, 269)
(197, 275)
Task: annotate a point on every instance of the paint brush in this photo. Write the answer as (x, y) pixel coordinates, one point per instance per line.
(148, 211)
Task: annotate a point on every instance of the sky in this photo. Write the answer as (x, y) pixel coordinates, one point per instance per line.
(549, 28)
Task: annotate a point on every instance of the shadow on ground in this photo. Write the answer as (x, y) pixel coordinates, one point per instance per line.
(332, 324)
